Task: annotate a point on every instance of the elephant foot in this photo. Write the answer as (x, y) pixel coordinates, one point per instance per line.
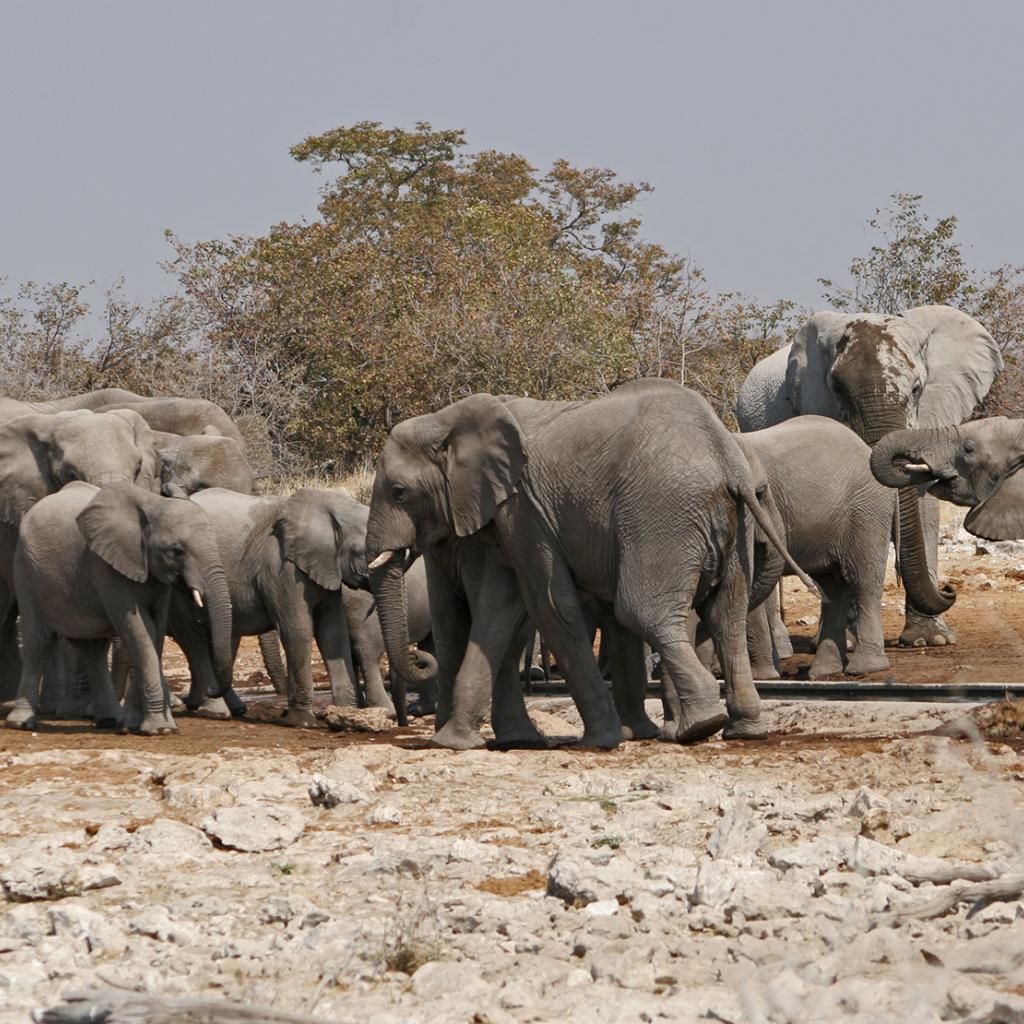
(107, 723)
(453, 738)
(640, 729)
(421, 708)
(827, 662)
(926, 631)
(213, 707)
(385, 704)
(21, 718)
(765, 671)
(299, 718)
(522, 736)
(862, 663)
(745, 729)
(607, 739)
(157, 725)
(236, 705)
(176, 703)
(695, 727)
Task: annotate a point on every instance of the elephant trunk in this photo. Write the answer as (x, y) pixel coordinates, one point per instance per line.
(218, 609)
(408, 667)
(905, 458)
(875, 416)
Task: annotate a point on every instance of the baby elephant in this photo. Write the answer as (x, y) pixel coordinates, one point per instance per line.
(286, 559)
(94, 563)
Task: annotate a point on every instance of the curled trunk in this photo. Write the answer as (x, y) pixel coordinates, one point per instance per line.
(897, 451)
(878, 418)
(408, 667)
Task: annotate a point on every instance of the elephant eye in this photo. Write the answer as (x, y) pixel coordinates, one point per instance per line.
(398, 493)
(178, 550)
(969, 447)
(917, 389)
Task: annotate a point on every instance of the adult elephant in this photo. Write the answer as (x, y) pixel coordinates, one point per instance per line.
(195, 462)
(976, 465)
(929, 366)
(172, 415)
(285, 560)
(94, 563)
(836, 521)
(638, 498)
(39, 454)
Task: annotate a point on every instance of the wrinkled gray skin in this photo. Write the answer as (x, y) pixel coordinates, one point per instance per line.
(170, 415)
(198, 461)
(286, 560)
(976, 465)
(92, 564)
(929, 366)
(368, 641)
(39, 454)
(836, 521)
(638, 498)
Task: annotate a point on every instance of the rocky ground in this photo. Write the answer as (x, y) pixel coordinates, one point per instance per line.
(855, 866)
(364, 877)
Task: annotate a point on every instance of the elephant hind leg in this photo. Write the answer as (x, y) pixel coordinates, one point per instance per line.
(831, 656)
(106, 709)
(10, 657)
(37, 643)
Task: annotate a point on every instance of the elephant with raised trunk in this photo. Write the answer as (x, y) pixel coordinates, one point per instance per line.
(640, 499)
(976, 465)
(929, 366)
(94, 563)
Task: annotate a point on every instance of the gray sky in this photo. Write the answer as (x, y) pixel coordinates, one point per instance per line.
(771, 130)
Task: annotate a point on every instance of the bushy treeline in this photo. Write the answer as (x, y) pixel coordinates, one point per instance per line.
(432, 272)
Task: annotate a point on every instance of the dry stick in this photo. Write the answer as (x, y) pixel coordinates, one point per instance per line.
(114, 1007)
(1011, 887)
(956, 873)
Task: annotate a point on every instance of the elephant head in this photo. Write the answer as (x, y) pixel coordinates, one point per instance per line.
(144, 537)
(41, 452)
(440, 476)
(976, 464)
(928, 366)
(198, 461)
(324, 534)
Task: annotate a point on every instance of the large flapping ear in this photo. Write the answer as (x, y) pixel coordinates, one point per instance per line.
(312, 533)
(1001, 515)
(963, 360)
(113, 525)
(25, 475)
(484, 455)
(811, 355)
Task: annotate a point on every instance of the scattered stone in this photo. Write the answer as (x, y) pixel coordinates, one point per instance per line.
(255, 827)
(385, 814)
(328, 793)
(341, 719)
(54, 876)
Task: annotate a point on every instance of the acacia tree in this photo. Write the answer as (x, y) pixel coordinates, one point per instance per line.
(432, 272)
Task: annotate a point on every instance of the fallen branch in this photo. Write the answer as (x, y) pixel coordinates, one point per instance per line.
(957, 873)
(999, 890)
(110, 1006)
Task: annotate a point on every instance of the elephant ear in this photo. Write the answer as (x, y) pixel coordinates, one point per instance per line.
(484, 455)
(1001, 515)
(113, 525)
(312, 535)
(811, 354)
(963, 360)
(146, 441)
(25, 475)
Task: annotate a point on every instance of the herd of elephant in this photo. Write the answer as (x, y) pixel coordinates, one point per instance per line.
(124, 519)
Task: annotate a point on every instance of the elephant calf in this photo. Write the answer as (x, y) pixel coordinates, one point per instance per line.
(286, 560)
(836, 520)
(92, 564)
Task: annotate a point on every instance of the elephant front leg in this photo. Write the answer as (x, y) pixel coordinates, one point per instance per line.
(296, 632)
(10, 657)
(921, 630)
(759, 644)
(192, 639)
(149, 706)
(107, 710)
(334, 642)
(36, 644)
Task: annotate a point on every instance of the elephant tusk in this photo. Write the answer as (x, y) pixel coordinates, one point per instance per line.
(381, 560)
(197, 597)
(917, 467)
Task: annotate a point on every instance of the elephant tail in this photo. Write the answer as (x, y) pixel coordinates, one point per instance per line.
(764, 521)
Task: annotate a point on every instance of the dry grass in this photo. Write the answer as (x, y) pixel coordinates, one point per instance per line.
(358, 483)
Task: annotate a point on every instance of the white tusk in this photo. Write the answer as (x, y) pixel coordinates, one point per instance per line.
(382, 559)
(917, 467)
(197, 597)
